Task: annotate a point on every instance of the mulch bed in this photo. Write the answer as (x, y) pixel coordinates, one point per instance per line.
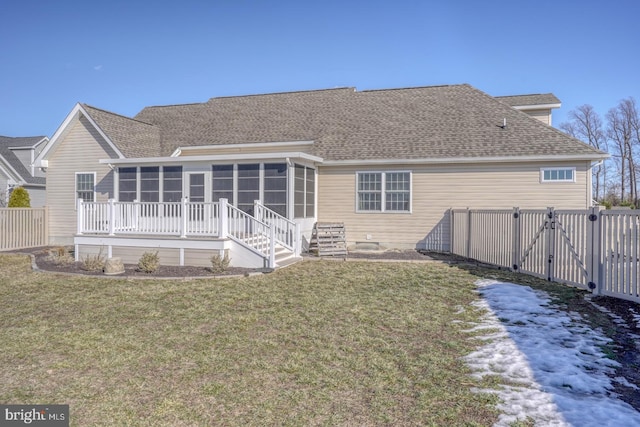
(45, 262)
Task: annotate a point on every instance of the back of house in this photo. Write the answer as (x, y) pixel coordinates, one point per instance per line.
(389, 164)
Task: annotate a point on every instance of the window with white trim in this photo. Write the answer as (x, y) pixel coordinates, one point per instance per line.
(558, 175)
(383, 191)
(85, 186)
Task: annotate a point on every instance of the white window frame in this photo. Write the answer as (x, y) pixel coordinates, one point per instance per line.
(550, 170)
(383, 201)
(75, 185)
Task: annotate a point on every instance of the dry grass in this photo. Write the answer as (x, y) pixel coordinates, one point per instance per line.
(318, 343)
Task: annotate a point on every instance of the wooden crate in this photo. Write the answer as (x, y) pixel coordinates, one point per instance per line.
(329, 239)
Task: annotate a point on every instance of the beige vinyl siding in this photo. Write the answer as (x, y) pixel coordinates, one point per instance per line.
(437, 188)
(243, 150)
(79, 151)
(543, 115)
(131, 255)
(200, 257)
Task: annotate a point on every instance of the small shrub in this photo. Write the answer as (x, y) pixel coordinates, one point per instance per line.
(19, 198)
(60, 255)
(93, 262)
(220, 264)
(149, 262)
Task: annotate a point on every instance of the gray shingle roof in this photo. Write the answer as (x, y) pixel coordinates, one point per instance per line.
(133, 137)
(12, 159)
(533, 99)
(414, 123)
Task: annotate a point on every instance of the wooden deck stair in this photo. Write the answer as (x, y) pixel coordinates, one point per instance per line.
(329, 239)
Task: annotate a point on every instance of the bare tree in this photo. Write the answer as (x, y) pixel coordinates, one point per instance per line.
(586, 125)
(623, 130)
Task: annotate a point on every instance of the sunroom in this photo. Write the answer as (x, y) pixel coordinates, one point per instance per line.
(263, 202)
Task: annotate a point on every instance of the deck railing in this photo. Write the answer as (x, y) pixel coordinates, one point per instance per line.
(167, 218)
(189, 219)
(287, 232)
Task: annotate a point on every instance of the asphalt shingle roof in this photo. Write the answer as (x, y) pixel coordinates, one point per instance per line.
(437, 122)
(134, 138)
(12, 159)
(533, 99)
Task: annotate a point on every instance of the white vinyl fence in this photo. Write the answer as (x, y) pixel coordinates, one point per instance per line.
(589, 248)
(22, 228)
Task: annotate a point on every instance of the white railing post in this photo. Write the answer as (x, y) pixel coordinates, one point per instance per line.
(111, 217)
(185, 218)
(258, 213)
(272, 246)
(297, 245)
(80, 216)
(136, 214)
(223, 218)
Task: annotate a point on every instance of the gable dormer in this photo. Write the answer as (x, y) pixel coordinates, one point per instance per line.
(535, 105)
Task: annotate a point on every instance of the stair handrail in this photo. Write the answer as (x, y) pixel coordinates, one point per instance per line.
(251, 233)
(287, 232)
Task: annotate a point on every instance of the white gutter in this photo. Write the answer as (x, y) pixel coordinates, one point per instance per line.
(211, 158)
(449, 160)
(537, 107)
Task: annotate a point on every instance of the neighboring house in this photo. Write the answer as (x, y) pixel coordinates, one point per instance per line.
(386, 163)
(17, 168)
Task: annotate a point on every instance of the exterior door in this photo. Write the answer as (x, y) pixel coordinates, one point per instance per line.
(196, 196)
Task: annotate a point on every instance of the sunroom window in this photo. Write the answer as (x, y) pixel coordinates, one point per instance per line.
(150, 184)
(127, 184)
(304, 192)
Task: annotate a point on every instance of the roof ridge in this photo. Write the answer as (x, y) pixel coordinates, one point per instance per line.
(415, 87)
(284, 93)
(116, 114)
(524, 94)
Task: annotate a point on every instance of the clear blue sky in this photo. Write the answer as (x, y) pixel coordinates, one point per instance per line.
(124, 55)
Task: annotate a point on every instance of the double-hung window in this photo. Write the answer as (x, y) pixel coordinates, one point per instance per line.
(383, 191)
(85, 186)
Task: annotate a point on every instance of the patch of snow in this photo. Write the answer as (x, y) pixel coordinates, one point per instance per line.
(558, 374)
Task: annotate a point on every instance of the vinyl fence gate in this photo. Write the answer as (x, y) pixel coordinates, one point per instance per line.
(588, 248)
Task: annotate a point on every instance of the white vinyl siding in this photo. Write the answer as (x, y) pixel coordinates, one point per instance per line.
(383, 191)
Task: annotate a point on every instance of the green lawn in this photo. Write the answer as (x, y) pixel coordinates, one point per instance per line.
(318, 343)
